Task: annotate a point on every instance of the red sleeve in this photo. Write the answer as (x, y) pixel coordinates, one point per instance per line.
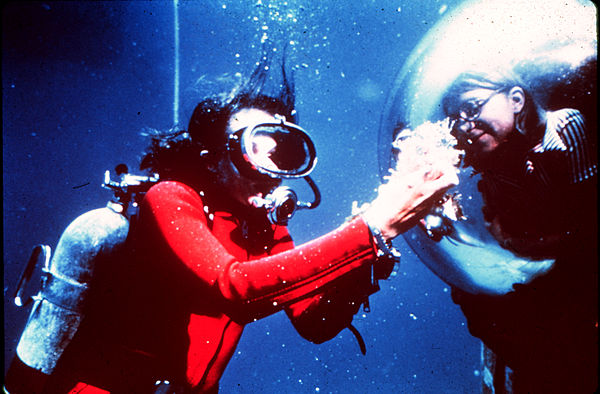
(321, 317)
(259, 287)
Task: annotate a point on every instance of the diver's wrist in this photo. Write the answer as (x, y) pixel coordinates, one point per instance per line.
(383, 245)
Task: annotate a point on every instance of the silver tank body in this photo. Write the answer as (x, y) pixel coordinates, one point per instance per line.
(59, 306)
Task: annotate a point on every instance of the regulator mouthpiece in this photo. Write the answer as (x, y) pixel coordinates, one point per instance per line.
(282, 203)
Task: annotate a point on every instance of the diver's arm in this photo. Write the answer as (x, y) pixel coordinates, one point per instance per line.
(258, 287)
(399, 204)
(262, 286)
(265, 285)
(321, 317)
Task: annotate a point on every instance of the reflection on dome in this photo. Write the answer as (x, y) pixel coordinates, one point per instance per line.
(552, 46)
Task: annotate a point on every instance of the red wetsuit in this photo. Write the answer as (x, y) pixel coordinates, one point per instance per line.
(201, 275)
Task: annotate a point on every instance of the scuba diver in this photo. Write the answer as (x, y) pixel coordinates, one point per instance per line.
(208, 252)
(539, 186)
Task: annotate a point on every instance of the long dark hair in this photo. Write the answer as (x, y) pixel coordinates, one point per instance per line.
(186, 155)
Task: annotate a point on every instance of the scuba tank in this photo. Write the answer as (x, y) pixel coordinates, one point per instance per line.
(59, 305)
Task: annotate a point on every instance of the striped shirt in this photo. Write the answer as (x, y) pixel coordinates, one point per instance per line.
(541, 198)
(566, 133)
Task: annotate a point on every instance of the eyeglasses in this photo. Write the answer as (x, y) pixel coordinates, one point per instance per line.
(279, 150)
(470, 110)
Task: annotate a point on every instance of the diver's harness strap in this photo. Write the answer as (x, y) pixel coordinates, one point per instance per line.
(62, 291)
(54, 288)
(40, 254)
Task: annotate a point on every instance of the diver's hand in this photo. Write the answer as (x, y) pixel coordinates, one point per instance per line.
(406, 198)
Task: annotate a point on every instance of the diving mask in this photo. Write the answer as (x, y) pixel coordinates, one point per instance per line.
(279, 150)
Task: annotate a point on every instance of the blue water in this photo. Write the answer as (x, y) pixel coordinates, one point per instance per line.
(82, 79)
